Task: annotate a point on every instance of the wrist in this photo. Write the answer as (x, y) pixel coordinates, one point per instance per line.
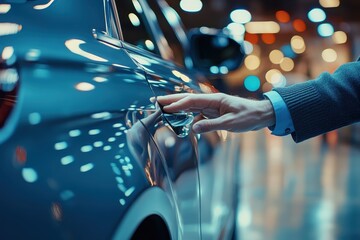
(266, 114)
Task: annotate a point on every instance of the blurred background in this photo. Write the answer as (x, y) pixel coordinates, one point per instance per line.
(290, 191)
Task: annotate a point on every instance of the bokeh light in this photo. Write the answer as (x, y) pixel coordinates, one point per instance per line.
(282, 16)
(268, 38)
(325, 30)
(297, 44)
(248, 47)
(329, 3)
(299, 25)
(252, 83)
(191, 5)
(236, 28)
(329, 55)
(276, 56)
(135, 21)
(262, 27)
(252, 38)
(252, 62)
(339, 37)
(240, 16)
(287, 64)
(288, 51)
(316, 15)
(275, 77)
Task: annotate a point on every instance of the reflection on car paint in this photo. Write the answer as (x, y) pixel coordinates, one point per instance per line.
(97, 68)
(74, 46)
(9, 28)
(84, 86)
(66, 195)
(43, 6)
(4, 8)
(9, 79)
(122, 166)
(7, 53)
(182, 76)
(100, 79)
(67, 160)
(33, 55)
(29, 175)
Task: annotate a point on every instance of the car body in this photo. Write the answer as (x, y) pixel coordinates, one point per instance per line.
(84, 153)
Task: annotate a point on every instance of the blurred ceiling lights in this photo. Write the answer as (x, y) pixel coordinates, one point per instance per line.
(316, 15)
(329, 3)
(329, 55)
(240, 16)
(191, 5)
(325, 30)
(254, 34)
(262, 27)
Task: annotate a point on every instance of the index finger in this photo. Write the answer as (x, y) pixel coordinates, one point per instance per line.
(193, 102)
(168, 99)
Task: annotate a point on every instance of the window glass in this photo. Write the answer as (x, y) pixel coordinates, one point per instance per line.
(168, 31)
(133, 25)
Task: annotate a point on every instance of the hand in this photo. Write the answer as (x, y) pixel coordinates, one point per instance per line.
(220, 111)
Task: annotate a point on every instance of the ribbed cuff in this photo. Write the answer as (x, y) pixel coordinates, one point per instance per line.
(306, 109)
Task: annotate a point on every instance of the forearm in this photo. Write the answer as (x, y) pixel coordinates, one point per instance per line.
(329, 102)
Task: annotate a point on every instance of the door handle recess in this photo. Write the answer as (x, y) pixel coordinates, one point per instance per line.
(180, 123)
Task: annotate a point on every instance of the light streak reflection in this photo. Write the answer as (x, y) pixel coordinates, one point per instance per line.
(9, 28)
(43, 6)
(74, 46)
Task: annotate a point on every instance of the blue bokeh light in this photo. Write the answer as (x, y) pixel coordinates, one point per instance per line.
(316, 15)
(252, 83)
(325, 30)
(287, 51)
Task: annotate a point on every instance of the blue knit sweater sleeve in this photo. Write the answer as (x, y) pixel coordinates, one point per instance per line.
(329, 102)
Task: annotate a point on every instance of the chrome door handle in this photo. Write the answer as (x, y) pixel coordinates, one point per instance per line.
(180, 123)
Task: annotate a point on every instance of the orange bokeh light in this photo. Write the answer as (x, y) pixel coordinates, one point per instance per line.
(299, 25)
(268, 38)
(282, 16)
(252, 38)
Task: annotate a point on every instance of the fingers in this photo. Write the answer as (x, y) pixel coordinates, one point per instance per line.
(168, 99)
(208, 125)
(190, 102)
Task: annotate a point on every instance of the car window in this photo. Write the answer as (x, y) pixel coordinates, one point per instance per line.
(168, 31)
(133, 25)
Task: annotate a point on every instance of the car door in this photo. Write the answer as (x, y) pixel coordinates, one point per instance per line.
(178, 149)
(218, 152)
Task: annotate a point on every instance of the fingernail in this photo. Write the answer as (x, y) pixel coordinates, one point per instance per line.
(152, 99)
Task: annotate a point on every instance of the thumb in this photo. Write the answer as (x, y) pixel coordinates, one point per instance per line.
(208, 125)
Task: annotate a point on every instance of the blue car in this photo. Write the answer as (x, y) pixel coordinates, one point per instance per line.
(84, 153)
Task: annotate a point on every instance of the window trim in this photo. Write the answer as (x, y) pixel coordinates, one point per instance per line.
(111, 14)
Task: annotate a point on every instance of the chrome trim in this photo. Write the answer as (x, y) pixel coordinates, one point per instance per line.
(106, 14)
(109, 10)
(117, 21)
